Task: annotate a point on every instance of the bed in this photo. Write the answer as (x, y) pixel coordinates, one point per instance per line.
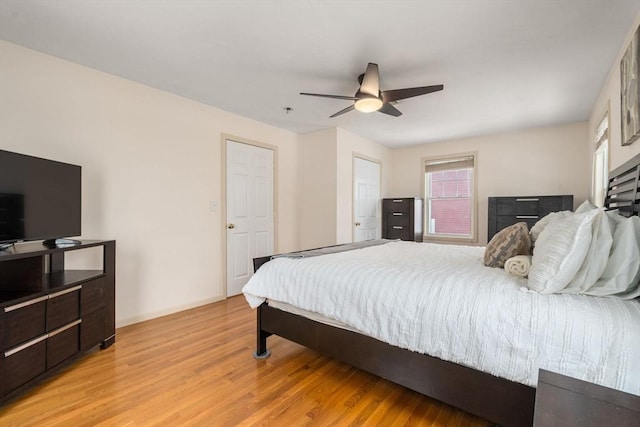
(508, 401)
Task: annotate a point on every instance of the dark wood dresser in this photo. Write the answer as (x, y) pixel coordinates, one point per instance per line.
(402, 219)
(50, 315)
(506, 211)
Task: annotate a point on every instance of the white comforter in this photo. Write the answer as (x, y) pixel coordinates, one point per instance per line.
(441, 300)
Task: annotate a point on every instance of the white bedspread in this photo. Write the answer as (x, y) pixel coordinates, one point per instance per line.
(441, 300)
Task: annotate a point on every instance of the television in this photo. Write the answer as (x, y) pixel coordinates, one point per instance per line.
(40, 199)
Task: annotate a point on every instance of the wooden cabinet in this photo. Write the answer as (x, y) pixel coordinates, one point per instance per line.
(48, 314)
(94, 316)
(506, 211)
(402, 219)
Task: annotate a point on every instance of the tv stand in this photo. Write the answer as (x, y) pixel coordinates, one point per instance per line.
(49, 315)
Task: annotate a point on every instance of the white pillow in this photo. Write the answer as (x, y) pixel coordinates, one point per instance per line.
(585, 206)
(544, 221)
(560, 251)
(597, 256)
(621, 276)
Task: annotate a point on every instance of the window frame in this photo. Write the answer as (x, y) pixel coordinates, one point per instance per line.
(600, 156)
(425, 186)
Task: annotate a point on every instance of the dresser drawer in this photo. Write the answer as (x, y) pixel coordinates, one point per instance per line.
(517, 206)
(24, 321)
(399, 232)
(93, 296)
(24, 363)
(527, 206)
(63, 307)
(398, 218)
(63, 343)
(398, 205)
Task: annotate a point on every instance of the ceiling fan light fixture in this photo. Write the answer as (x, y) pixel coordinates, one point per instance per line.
(368, 104)
(370, 98)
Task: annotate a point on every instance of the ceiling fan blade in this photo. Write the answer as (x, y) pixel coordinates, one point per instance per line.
(395, 95)
(371, 81)
(341, 112)
(390, 110)
(348, 98)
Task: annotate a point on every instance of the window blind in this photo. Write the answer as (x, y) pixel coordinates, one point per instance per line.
(439, 165)
(602, 131)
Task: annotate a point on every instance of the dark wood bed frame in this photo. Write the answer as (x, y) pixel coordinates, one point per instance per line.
(501, 401)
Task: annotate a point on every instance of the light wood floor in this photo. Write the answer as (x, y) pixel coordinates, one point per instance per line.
(196, 368)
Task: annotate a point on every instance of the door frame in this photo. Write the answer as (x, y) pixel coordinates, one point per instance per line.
(223, 198)
(356, 155)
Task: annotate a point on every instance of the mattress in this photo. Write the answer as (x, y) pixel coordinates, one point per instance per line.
(309, 315)
(442, 301)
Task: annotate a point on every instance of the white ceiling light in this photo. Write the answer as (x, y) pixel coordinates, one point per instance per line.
(368, 105)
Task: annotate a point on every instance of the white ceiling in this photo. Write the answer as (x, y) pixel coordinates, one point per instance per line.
(505, 64)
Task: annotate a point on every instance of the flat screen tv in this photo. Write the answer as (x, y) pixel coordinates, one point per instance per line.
(39, 199)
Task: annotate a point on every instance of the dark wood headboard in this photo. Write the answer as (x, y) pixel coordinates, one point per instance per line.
(622, 191)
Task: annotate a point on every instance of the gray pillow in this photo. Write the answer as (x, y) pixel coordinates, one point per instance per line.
(508, 242)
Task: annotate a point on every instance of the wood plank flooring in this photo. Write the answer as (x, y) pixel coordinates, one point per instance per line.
(195, 368)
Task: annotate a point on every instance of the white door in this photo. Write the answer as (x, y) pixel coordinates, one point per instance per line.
(366, 200)
(249, 210)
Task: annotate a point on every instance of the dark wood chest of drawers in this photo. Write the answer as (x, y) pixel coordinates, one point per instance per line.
(402, 219)
(506, 211)
(50, 315)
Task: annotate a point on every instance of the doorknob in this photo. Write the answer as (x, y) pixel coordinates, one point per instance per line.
(357, 224)
(230, 226)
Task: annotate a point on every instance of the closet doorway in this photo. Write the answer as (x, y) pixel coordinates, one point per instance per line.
(366, 199)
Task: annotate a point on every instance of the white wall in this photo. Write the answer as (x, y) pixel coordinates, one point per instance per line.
(317, 188)
(610, 95)
(350, 144)
(325, 162)
(151, 165)
(554, 160)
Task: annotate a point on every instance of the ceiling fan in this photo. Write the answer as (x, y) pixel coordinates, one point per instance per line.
(370, 98)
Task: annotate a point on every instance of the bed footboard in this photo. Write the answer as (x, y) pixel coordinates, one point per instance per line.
(501, 401)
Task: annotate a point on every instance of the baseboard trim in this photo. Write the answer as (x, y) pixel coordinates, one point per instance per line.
(153, 315)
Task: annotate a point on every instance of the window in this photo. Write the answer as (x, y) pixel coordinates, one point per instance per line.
(449, 196)
(601, 162)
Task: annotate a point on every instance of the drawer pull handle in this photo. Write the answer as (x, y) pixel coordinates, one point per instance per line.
(398, 200)
(397, 227)
(528, 200)
(66, 291)
(26, 303)
(397, 214)
(64, 328)
(25, 345)
(527, 216)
